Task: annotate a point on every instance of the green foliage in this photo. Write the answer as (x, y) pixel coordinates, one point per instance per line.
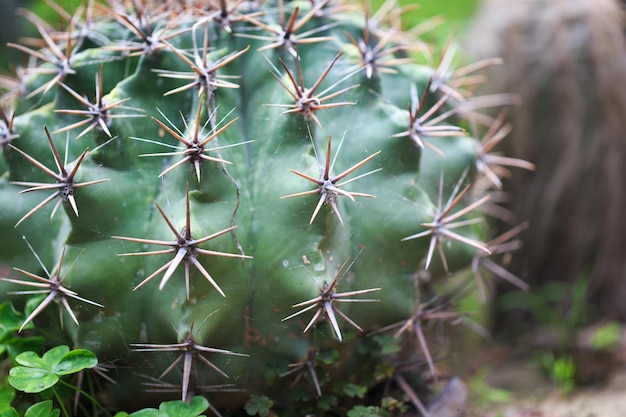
(363, 411)
(9, 412)
(10, 323)
(36, 373)
(560, 305)
(561, 369)
(486, 394)
(393, 406)
(194, 408)
(7, 395)
(259, 405)
(353, 390)
(327, 402)
(42, 409)
(607, 336)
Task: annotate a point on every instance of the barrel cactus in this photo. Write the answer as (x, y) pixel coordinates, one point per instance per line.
(240, 201)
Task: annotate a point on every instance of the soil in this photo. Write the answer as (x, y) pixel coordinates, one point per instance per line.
(529, 392)
(602, 400)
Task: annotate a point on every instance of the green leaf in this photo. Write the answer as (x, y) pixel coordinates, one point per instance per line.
(7, 395)
(31, 380)
(54, 355)
(9, 412)
(75, 361)
(184, 409)
(42, 409)
(563, 372)
(328, 356)
(485, 393)
(148, 412)
(259, 405)
(39, 373)
(30, 359)
(607, 336)
(363, 411)
(20, 345)
(173, 409)
(327, 402)
(353, 390)
(10, 322)
(388, 344)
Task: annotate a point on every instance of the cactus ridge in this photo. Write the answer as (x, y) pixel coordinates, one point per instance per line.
(207, 115)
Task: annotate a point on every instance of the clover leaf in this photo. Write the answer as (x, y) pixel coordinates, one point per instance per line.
(194, 408)
(183, 409)
(35, 374)
(9, 412)
(259, 405)
(363, 411)
(7, 395)
(42, 409)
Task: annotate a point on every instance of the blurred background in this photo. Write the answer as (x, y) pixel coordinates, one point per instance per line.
(457, 13)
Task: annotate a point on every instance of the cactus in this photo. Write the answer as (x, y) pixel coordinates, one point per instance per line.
(235, 198)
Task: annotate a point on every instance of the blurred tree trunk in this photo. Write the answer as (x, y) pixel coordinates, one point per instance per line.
(567, 61)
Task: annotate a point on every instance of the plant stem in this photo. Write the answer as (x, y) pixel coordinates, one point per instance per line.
(88, 396)
(60, 401)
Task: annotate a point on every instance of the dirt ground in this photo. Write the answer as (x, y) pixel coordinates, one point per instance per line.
(519, 388)
(605, 400)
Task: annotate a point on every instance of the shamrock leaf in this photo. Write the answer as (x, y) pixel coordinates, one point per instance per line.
(35, 374)
(42, 409)
(9, 412)
(183, 409)
(259, 405)
(363, 411)
(7, 395)
(173, 409)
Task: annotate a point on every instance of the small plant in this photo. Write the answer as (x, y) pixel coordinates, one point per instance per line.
(570, 351)
(242, 206)
(607, 336)
(45, 374)
(561, 369)
(193, 408)
(259, 406)
(559, 306)
(486, 394)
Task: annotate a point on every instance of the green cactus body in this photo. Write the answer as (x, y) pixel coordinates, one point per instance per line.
(270, 251)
